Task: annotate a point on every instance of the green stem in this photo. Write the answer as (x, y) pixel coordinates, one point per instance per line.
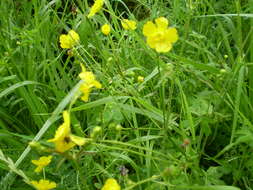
(79, 173)
(143, 181)
(44, 173)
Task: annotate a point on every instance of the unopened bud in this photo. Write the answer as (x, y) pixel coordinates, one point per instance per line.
(129, 182)
(118, 127)
(171, 171)
(37, 146)
(129, 73)
(70, 53)
(223, 71)
(140, 79)
(96, 131)
(34, 144)
(109, 59)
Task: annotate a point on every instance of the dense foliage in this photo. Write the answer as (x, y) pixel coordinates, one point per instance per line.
(151, 105)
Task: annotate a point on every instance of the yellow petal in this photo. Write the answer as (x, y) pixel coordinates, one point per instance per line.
(61, 133)
(65, 41)
(151, 42)
(83, 68)
(162, 22)
(35, 162)
(85, 97)
(63, 130)
(171, 35)
(74, 36)
(149, 29)
(43, 184)
(66, 118)
(163, 47)
(97, 84)
(38, 169)
(42, 161)
(63, 146)
(111, 184)
(85, 89)
(78, 140)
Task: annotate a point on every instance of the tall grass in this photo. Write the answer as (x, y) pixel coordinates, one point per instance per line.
(188, 125)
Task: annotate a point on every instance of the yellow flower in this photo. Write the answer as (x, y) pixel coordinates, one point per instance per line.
(89, 81)
(106, 29)
(69, 40)
(98, 4)
(159, 36)
(63, 138)
(128, 24)
(43, 184)
(41, 163)
(111, 184)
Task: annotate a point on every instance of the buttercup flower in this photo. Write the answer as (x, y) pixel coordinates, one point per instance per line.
(43, 184)
(98, 4)
(128, 24)
(63, 138)
(106, 29)
(159, 36)
(41, 163)
(111, 184)
(69, 40)
(89, 81)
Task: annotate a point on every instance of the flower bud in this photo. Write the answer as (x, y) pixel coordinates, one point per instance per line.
(70, 53)
(96, 131)
(129, 73)
(118, 127)
(223, 71)
(37, 146)
(140, 79)
(171, 171)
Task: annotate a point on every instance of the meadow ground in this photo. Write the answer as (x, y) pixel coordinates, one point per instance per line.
(126, 94)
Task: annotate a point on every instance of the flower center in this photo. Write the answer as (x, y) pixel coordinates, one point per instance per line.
(159, 37)
(67, 139)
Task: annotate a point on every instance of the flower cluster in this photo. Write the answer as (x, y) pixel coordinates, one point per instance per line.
(69, 40)
(63, 140)
(42, 184)
(159, 36)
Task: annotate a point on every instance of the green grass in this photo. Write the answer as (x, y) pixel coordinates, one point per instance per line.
(194, 93)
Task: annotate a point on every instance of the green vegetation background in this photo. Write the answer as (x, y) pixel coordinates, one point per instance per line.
(200, 93)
